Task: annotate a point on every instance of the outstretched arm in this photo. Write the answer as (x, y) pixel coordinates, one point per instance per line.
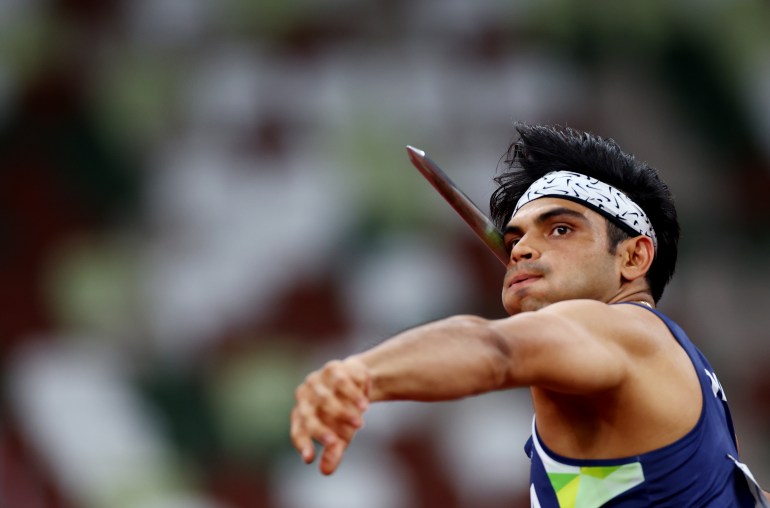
(560, 347)
(444, 360)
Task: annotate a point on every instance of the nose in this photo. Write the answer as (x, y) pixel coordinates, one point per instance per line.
(523, 249)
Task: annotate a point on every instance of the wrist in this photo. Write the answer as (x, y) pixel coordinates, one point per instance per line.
(362, 373)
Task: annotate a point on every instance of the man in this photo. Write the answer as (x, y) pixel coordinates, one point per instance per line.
(627, 411)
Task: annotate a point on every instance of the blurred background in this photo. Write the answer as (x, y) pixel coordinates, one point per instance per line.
(201, 201)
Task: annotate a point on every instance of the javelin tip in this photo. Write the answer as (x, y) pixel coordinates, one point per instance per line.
(415, 151)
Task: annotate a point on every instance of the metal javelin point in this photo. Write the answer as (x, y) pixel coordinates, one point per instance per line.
(471, 214)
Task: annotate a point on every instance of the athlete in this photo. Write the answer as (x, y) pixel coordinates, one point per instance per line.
(627, 411)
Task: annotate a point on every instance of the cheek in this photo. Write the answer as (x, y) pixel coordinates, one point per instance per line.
(584, 272)
(594, 271)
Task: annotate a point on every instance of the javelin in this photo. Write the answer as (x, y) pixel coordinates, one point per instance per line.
(479, 223)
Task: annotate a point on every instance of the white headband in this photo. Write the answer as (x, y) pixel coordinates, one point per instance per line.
(605, 198)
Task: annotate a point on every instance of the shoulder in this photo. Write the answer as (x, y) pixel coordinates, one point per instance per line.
(592, 313)
(594, 308)
(630, 326)
(577, 346)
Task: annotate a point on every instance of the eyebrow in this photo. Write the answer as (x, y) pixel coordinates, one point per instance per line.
(545, 217)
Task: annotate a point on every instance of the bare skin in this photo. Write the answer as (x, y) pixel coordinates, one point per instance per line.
(605, 379)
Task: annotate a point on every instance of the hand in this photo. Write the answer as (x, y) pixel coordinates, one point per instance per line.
(329, 409)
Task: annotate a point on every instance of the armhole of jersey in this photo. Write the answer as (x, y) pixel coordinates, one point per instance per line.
(675, 330)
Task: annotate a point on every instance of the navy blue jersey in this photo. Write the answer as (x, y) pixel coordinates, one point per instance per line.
(699, 470)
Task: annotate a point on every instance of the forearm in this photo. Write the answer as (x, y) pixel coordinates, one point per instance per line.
(444, 360)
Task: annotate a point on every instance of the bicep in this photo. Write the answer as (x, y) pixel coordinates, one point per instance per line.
(561, 353)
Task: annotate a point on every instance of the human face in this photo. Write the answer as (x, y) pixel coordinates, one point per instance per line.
(559, 250)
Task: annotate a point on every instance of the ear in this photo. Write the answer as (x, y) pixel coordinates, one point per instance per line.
(636, 255)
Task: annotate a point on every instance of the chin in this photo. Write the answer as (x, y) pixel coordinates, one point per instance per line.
(525, 304)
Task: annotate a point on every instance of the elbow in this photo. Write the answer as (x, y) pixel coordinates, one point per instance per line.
(500, 360)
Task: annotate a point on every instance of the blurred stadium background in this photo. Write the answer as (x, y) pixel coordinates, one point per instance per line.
(201, 201)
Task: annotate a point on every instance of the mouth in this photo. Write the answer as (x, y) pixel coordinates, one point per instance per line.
(522, 280)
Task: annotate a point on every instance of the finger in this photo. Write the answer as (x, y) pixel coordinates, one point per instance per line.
(320, 390)
(348, 380)
(345, 432)
(332, 456)
(300, 438)
(333, 409)
(310, 427)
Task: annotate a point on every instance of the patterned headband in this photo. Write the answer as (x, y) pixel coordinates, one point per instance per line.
(600, 196)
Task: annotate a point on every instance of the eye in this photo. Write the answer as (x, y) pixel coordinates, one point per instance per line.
(510, 243)
(560, 230)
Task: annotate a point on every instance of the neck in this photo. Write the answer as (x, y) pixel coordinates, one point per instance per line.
(643, 297)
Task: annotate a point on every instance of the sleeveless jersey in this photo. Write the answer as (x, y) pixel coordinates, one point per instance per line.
(699, 470)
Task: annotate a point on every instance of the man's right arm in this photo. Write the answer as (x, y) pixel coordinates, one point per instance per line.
(569, 347)
(557, 348)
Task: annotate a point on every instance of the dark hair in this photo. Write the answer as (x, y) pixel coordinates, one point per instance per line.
(541, 149)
